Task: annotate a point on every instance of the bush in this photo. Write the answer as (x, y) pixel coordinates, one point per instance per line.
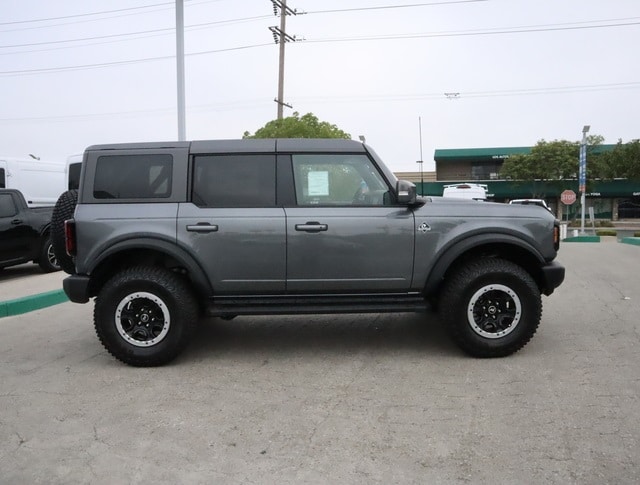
(606, 232)
(636, 234)
(587, 223)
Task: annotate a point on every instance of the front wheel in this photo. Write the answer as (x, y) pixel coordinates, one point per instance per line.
(145, 316)
(491, 307)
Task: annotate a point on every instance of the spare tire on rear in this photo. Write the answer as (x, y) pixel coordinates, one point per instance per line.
(63, 210)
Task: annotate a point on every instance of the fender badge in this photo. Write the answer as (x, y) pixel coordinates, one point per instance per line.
(424, 227)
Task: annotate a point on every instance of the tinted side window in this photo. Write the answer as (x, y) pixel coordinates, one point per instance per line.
(338, 179)
(74, 175)
(133, 177)
(7, 207)
(234, 181)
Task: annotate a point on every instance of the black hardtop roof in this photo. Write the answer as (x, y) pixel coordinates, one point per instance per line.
(245, 145)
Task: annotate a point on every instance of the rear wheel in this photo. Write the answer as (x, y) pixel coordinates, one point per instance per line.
(145, 316)
(491, 307)
(63, 210)
(47, 259)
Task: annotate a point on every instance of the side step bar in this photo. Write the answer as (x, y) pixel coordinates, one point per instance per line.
(264, 305)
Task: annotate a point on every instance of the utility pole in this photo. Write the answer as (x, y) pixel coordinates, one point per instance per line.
(421, 161)
(582, 176)
(182, 131)
(280, 36)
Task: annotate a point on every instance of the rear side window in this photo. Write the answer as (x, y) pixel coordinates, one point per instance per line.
(234, 181)
(74, 175)
(133, 177)
(7, 207)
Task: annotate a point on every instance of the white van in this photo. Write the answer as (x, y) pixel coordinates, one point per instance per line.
(466, 191)
(40, 182)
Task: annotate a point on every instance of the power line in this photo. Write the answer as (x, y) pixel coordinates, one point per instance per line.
(121, 63)
(461, 95)
(141, 32)
(387, 7)
(507, 30)
(90, 14)
(159, 7)
(248, 103)
(85, 14)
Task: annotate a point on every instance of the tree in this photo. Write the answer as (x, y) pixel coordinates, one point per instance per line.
(622, 162)
(307, 126)
(551, 163)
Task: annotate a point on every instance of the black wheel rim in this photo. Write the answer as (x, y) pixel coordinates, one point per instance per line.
(142, 319)
(494, 311)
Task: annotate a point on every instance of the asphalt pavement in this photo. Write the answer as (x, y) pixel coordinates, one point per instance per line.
(334, 399)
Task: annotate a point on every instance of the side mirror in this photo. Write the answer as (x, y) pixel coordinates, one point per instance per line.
(406, 192)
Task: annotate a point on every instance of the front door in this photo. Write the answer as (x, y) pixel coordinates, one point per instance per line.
(346, 234)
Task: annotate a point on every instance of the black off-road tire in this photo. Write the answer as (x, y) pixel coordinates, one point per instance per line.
(63, 210)
(47, 259)
(490, 307)
(145, 316)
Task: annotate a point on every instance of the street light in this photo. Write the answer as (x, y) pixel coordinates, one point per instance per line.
(583, 173)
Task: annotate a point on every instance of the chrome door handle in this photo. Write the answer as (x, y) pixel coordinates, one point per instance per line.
(202, 227)
(312, 227)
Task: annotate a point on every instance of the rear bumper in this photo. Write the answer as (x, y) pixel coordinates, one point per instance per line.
(76, 288)
(552, 277)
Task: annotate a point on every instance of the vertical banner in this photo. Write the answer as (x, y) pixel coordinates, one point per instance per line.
(583, 168)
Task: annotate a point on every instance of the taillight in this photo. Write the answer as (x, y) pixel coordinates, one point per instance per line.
(70, 237)
(556, 236)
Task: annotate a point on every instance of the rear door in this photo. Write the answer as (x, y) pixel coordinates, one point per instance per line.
(346, 233)
(233, 225)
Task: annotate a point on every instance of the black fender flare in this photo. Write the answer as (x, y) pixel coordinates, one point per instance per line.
(164, 246)
(453, 251)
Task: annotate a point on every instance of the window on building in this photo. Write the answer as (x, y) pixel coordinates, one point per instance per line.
(485, 170)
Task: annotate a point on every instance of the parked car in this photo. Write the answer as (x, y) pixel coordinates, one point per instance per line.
(40, 182)
(25, 233)
(466, 191)
(539, 202)
(162, 233)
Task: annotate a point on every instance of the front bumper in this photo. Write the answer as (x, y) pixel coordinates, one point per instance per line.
(552, 277)
(76, 288)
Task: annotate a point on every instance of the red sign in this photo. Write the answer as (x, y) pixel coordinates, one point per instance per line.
(568, 197)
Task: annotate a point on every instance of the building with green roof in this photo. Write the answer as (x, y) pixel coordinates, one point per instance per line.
(610, 199)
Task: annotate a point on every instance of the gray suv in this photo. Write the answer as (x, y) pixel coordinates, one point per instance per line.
(162, 234)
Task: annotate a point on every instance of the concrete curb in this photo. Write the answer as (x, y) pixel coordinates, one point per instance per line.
(30, 303)
(631, 240)
(583, 239)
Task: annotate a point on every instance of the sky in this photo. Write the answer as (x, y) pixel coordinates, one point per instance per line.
(409, 76)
